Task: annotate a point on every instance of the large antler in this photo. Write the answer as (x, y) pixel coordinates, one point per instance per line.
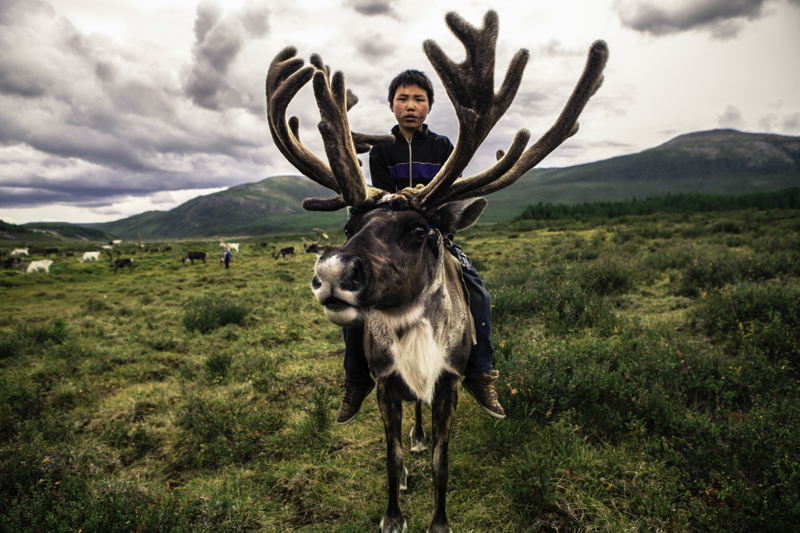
(515, 163)
(469, 85)
(285, 78)
(320, 235)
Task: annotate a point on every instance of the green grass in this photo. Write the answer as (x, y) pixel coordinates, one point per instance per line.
(648, 367)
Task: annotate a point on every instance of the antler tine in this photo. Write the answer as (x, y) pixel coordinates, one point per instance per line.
(285, 78)
(565, 126)
(469, 85)
(505, 162)
(331, 99)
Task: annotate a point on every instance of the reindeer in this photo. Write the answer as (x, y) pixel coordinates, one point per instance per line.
(392, 274)
(315, 248)
(284, 252)
(116, 264)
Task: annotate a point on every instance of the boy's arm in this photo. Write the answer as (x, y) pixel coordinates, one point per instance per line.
(379, 171)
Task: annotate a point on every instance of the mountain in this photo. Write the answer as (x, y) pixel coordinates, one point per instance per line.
(707, 162)
(710, 162)
(269, 206)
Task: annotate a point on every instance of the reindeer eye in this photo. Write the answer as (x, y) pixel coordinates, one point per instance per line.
(420, 232)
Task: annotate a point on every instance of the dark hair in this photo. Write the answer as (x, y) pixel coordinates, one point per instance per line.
(411, 77)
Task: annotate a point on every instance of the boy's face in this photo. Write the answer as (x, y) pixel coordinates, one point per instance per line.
(410, 107)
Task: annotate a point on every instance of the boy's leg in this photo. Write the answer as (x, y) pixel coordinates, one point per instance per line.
(357, 381)
(479, 376)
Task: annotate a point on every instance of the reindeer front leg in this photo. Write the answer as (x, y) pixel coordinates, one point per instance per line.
(391, 407)
(444, 407)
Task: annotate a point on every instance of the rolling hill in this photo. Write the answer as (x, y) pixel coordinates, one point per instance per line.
(269, 206)
(710, 162)
(50, 232)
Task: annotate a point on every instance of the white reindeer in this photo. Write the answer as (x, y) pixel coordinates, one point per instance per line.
(36, 266)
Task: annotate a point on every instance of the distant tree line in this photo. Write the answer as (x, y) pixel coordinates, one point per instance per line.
(671, 203)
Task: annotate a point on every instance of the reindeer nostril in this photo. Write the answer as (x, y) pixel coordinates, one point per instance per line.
(315, 282)
(356, 276)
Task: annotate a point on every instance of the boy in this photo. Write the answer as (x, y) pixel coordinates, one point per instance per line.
(415, 159)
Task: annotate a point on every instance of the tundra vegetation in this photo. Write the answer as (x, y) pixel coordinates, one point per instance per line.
(648, 368)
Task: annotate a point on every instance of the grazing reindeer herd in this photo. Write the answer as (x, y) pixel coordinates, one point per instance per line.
(15, 261)
(392, 275)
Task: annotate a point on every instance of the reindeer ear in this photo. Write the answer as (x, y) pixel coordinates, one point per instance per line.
(457, 216)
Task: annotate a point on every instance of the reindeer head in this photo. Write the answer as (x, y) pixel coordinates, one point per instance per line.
(392, 254)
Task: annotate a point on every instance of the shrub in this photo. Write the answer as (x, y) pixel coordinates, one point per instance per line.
(9, 346)
(554, 295)
(217, 365)
(669, 258)
(28, 338)
(760, 316)
(319, 416)
(701, 412)
(223, 431)
(606, 277)
(711, 272)
(44, 491)
(531, 484)
(136, 442)
(208, 313)
(18, 401)
(707, 273)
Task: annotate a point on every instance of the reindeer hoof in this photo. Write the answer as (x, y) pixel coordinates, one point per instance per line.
(417, 444)
(392, 526)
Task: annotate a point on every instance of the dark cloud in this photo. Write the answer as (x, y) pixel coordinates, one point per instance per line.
(17, 82)
(208, 13)
(774, 121)
(731, 118)
(26, 74)
(219, 40)
(87, 122)
(792, 122)
(12, 11)
(555, 48)
(372, 8)
(256, 20)
(723, 18)
(373, 46)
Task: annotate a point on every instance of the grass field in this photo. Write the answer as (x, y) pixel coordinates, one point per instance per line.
(648, 367)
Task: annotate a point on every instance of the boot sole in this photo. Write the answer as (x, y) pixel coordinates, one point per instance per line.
(485, 409)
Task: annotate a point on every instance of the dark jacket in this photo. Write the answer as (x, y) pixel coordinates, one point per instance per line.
(391, 166)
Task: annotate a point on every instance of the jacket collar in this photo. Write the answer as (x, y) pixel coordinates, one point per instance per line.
(417, 137)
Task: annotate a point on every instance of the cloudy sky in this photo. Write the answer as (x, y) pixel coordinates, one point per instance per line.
(109, 109)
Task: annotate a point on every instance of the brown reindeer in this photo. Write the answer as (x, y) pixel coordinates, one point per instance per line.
(116, 264)
(392, 274)
(284, 252)
(315, 248)
(191, 256)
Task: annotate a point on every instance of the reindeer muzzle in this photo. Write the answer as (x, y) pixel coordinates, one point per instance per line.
(335, 304)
